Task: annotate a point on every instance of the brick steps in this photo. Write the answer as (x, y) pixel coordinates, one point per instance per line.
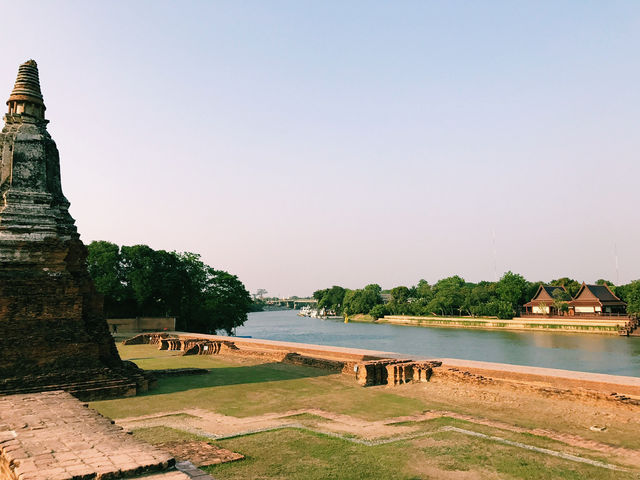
(85, 390)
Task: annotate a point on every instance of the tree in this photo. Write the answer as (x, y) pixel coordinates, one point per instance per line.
(104, 263)
(333, 298)
(157, 278)
(140, 281)
(362, 301)
(560, 299)
(571, 285)
(371, 296)
(226, 302)
(400, 295)
(399, 304)
(260, 293)
(482, 300)
(512, 288)
(448, 296)
(633, 297)
(424, 290)
(378, 311)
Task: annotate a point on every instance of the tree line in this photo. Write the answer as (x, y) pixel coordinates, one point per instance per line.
(454, 296)
(140, 281)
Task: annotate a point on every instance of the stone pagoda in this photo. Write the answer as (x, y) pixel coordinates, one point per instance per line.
(53, 334)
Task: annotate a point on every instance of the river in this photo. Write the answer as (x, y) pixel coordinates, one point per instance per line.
(569, 351)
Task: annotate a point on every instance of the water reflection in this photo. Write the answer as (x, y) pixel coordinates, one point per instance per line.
(583, 352)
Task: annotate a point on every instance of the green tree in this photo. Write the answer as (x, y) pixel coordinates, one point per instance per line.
(378, 311)
(572, 286)
(632, 297)
(363, 300)
(424, 290)
(226, 302)
(481, 299)
(140, 281)
(332, 298)
(104, 263)
(512, 288)
(320, 294)
(448, 296)
(399, 303)
(560, 299)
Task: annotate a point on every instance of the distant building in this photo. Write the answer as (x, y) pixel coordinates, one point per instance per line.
(542, 302)
(596, 299)
(590, 300)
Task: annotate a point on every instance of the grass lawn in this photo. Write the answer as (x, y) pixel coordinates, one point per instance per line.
(245, 388)
(251, 388)
(299, 454)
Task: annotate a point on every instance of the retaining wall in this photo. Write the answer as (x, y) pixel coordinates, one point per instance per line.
(605, 327)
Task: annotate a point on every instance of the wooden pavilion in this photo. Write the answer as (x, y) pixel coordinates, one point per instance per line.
(544, 302)
(596, 300)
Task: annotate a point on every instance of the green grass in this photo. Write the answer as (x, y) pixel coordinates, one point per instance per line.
(279, 455)
(245, 390)
(308, 455)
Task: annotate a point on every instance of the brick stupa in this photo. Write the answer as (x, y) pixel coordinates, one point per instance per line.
(53, 334)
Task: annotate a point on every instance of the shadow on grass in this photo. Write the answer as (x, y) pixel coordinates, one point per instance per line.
(225, 376)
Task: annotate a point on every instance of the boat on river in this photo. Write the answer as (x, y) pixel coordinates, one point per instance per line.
(323, 313)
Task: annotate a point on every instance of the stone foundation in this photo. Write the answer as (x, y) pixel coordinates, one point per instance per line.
(375, 372)
(53, 332)
(409, 372)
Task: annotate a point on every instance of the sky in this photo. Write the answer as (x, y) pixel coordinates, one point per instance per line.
(302, 144)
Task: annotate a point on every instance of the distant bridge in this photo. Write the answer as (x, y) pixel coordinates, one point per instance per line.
(292, 302)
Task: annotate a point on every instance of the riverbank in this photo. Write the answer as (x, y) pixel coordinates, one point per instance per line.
(564, 324)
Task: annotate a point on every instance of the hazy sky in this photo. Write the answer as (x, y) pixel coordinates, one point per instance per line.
(302, 144)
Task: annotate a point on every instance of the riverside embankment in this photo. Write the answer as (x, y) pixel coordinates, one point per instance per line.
(602, 326)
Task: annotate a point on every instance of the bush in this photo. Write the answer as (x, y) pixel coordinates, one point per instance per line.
(378, 311)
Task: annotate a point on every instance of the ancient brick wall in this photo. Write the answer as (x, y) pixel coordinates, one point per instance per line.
(53, 329)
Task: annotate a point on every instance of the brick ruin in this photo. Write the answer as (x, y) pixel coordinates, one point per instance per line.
(367, 372)
(53, 331)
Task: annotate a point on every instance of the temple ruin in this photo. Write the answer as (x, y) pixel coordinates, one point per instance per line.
(53, 334)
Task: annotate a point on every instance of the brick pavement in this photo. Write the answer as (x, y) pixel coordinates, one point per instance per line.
(54, 436)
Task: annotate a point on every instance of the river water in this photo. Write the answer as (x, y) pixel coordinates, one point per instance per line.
(569, 351)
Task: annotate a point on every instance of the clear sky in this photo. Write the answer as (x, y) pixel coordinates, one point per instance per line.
(302, 144)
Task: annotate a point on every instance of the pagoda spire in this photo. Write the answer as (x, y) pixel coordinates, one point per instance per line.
(32, 204)
(26, 97)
